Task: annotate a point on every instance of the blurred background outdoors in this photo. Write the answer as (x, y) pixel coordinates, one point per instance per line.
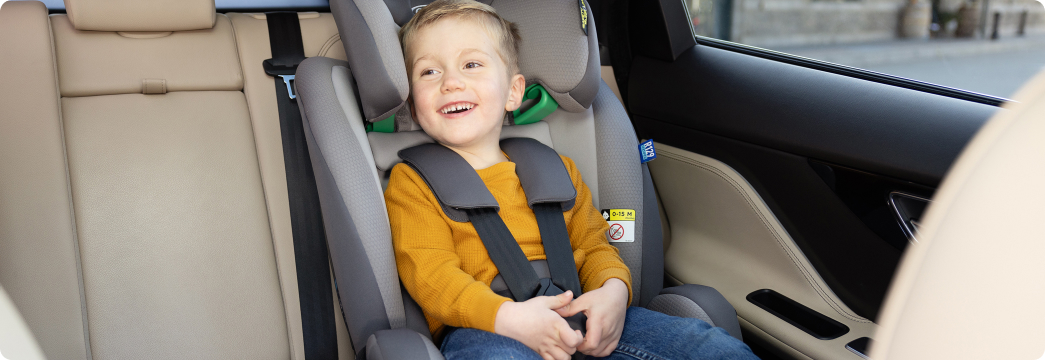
(986, 46)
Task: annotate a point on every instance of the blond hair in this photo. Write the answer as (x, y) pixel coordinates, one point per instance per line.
(497, 27)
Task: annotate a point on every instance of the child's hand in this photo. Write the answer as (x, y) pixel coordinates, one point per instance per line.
(535, 324)
(605, 308)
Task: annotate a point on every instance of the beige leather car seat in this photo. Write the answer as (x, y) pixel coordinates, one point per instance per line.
(974, 285)
(143, 199)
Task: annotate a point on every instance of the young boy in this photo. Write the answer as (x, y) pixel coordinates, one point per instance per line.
(461, 59)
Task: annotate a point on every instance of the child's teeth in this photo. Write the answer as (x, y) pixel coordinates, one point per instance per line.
(456, 108)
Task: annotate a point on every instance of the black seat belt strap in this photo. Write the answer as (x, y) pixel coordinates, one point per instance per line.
(504, 251)
(516, 271)
(465, 198)
(310, 246)
(557, 248)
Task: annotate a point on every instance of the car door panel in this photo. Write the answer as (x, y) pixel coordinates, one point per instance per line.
(830, 235)
(768, 119)
(725, 236)
(777, 176)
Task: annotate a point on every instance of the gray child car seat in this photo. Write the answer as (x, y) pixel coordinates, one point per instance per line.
(341, 102)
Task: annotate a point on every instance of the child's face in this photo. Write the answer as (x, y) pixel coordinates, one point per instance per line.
(459, 85)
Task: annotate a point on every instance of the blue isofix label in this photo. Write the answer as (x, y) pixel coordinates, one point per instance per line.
(646, 151)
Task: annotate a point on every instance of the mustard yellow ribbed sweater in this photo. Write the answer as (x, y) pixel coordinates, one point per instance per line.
(444, 265)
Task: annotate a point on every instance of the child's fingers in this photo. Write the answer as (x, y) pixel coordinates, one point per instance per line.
(567, 336)
(557, 301)
(577, 305)
(593, 338)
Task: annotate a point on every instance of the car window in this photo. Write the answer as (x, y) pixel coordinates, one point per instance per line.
(986, 46)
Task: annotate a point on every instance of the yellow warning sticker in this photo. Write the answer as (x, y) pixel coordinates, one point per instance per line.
(622, 224)
(618, 214)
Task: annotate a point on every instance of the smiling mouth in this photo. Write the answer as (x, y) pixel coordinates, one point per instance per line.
(456, 108)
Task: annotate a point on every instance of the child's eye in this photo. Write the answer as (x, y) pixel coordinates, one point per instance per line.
(472, 65)
(427, 72)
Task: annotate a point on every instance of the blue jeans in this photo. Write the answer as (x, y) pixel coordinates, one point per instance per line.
(647, 335)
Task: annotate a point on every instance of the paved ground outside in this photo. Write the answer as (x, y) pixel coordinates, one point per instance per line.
(996, 67)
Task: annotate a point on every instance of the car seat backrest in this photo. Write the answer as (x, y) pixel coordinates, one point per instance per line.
(143, 209)
(171, 123)
(560, 55)
(590, 126)
(38, 253)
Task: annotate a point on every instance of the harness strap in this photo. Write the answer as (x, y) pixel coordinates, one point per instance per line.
(557, 246)
(549, 191)
(464, 198)
(505, 252)
(306, 220)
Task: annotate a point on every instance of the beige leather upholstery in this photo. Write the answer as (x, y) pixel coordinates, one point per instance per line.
(38, 248)
(173, 228)
(105, 63)
(320, 38)
(156, 159)
(724, 236)
(16, 341)
(974, 285)
(138, 15)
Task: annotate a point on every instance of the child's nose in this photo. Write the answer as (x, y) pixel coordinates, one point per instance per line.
(451, 82)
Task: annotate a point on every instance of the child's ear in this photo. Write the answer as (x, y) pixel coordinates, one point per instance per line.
(515, 93)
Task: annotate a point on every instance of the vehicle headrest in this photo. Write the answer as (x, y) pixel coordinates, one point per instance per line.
(139, 15)
(555, 51)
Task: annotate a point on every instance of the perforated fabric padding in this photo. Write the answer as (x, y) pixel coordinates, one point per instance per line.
(554, 51)
(678, 305)
(620, 175)
(386, 34)
(372, 46)
(337, 130)
(403, 10)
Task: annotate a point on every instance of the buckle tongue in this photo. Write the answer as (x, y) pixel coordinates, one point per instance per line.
(274, 68)
(289, 80)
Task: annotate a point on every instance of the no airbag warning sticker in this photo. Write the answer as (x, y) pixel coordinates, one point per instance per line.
(622, 224)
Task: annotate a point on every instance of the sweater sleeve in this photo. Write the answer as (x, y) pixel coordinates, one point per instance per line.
(428, 265)
(597, 260)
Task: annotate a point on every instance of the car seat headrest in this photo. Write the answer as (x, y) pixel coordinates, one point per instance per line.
(138, 15)
(556, 52)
